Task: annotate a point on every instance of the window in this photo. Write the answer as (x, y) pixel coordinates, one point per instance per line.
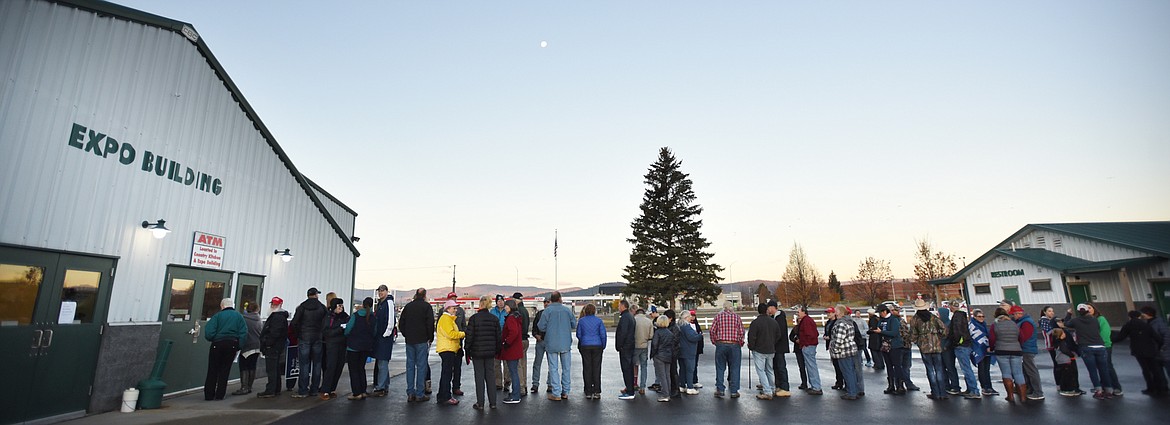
(1041, 285)
(81, 289)
(19, 285)
(982, 288)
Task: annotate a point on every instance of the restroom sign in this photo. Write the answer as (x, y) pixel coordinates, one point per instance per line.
(207, 251)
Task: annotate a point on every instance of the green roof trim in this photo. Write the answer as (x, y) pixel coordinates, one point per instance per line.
(1104, 266)
(1044, 257)
(1149, 236)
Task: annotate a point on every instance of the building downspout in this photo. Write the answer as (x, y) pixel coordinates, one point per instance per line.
(1126, 291)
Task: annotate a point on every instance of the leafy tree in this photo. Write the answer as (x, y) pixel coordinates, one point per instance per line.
(929, 265)
(668, 258)
(835, 286)
(873, 280)
(801, 282)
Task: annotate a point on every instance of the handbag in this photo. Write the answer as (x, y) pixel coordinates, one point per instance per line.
(885, 346)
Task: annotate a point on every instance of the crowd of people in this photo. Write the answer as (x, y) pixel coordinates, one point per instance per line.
(495, 341)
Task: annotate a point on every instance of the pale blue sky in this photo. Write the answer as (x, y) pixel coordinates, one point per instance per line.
(852, 128)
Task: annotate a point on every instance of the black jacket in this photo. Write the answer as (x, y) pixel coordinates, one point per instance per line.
(536, 319)
(624, 336)
(274, 335)
(331, 330)
(483, 336)
(1142, 341)
(417, 322)
(960, 331)
(763, 334)
(306, 322)
(782, 321)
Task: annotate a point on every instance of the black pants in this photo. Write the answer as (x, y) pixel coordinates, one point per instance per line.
(591, 369)
(357, 370)
(780, 368)
(335, 359)
(1066, 376)
(248, 363)
(457, 375)
(674, 382)
(893, 359)
(450, 362)
(1153, 374)
(800, 364)
(879, 361)
(274, 368)
(626, 359)
(219, 366)
(838, 379)
(485, 377)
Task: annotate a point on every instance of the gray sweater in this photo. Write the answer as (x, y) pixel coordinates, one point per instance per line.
(1007, 337)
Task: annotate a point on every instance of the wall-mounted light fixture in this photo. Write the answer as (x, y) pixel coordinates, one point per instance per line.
(285, 255)
(159, 230)
(354, 238)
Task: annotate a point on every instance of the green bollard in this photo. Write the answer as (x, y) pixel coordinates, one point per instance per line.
(150, 390)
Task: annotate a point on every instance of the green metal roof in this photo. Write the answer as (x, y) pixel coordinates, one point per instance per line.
(1103, 266)
(1150, 236)
(1044, 257)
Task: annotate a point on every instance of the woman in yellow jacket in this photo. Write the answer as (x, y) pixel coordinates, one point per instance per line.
(447, 342)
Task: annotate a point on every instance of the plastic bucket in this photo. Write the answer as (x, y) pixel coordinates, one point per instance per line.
(129, 400)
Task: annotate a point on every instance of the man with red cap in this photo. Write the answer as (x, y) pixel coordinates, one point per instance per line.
(273, 342)
(1028, 344)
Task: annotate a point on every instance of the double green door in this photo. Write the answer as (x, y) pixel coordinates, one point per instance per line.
(52, 309)
(190, 297)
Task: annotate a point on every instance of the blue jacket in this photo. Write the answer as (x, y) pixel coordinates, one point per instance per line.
(500, 314)
(891, 328)
(688, 342)
(557, 323)
(1030, 345)
(359, 332)
(590, 332)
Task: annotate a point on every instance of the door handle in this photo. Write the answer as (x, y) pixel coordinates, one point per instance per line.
(47, 339)
(36, 342)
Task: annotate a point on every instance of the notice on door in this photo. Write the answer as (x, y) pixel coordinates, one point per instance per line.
(207, 251)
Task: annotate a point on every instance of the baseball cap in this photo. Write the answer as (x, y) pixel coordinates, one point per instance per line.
(518, 296)
(452, 295)
(830, 310)
(773, 303)
(313, 291)
(499, 297)
(383, 288)
(1016, 309)
(277, 300)
(1082, 307)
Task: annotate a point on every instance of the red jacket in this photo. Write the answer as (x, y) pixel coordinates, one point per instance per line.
(808, 332)
(513, 345)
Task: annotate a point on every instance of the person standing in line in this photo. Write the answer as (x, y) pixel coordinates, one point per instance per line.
(1087, 330)
(676, 386)
(624, 343)
(503, 381)
(1047, 322)
(643, 333)
(928, 332)
(461, 324)
(779, 363)
(225, 330)
(688, 348)
(1161, 334)
(1143, 346)
(843, 348)
(273, 344)
(875, 341)
(483, 343)
(981, 353)
(591, 341)
(859, 338)
(306, 325)
(831, 315)
(385, 332)
(250, 350)
(448, 342)
(663, 346)
(333, 335)
(540, 350)
(512, 349)
(525, 325)
(907, 357)
(794, 336)
(891, 346)
(807, 330)
(360, 337)
(417, 325)
(1029, 342)
(959, 333)
(1065, 367)
(1107, 338)
(761, 339)
(1005, 340)
(557, 323)
(951, 374)
(727, 334)
(699, 351)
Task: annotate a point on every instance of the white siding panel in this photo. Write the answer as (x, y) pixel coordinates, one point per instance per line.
(342, 216)
(153, 89)
(1074, 246)
(982, 275)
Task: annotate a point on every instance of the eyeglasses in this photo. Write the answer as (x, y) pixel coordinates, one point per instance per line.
(978, 315)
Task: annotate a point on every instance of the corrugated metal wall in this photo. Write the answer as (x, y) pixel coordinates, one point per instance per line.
(1073, 246)
(153, 89)
(982, 275)
(342, 216)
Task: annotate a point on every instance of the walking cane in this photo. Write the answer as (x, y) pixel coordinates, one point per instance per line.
(750, 369)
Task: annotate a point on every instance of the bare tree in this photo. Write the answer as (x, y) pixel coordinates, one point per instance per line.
(873, 279)
(801, 282)
(929, 265)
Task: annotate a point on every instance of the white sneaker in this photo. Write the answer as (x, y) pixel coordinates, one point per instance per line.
(698, 385)
(692, 391)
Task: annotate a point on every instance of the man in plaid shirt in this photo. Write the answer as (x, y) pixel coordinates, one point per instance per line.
(843, 349)
(727, 335)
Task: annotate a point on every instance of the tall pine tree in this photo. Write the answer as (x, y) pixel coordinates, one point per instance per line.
(668, 257)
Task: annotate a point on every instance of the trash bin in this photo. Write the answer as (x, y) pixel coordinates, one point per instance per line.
(129, 400)
(150, 390)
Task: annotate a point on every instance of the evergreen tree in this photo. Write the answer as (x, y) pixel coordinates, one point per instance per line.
(668, 258)
(835, 285)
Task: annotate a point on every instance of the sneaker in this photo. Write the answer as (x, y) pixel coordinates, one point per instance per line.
(554, 397)
(411, 399)
(913, 388)
(698, 385)
(457, 391)
(1118, 392)
(511, 401)
(625, 396)
(299, 395)
(380, 393)
(849, 397)
(1070, 393)
(734, 395)
(692, 391)
(477, 406)
(642, 391)
(763, 396)
(954, 392)
(1099, 395)
(357, 396)
(815, 392)
(783, 393)
(325, 397)
(493, 407)
(564, 396)
(455, 401)
(664, 399)
(759, 387)
(425, 398)
(265, 394)
(971, 396)
(718, 394)
(535, 388)
(1035, 396)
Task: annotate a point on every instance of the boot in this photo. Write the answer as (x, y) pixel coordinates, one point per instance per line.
(245, 386)
(427, 387)
(1022, 390)
(1010, 388)
(889, 386)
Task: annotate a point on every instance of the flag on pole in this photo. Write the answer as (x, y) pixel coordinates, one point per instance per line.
(554, 245)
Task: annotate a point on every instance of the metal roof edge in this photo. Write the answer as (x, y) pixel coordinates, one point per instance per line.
(331, 197)
(135, 15)
(1057, 227)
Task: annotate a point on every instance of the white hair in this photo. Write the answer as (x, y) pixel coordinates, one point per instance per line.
(727, 305)
(225, 303)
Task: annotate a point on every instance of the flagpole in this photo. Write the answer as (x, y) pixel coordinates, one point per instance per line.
(556, 267)
(452, 278)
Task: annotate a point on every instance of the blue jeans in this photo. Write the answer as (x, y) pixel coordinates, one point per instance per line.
(935, 374)
(686, 372)
(727, 357)
(514, 369)
(857, 365)
(416, 367)
(1097, 363)
(559, 369)
(849, 369)
(640, 357)
(810, 367)
(536, 363)
(309, 355)
(948, 364)
(763, 363)
(963, 355)
(907, 361)
(1011, 367)
(382, 380)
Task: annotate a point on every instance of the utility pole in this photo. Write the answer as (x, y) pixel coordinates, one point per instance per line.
(453, 280)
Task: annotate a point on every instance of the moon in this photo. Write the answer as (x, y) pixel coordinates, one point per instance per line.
(543, 44)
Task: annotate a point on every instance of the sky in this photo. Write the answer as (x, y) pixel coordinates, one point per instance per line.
(851, 128)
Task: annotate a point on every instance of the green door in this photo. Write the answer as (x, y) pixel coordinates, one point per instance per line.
(1079, 294)
(52, 309)
(250, 291)
(1162, 295)
(190, 297)
(1012, 293)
